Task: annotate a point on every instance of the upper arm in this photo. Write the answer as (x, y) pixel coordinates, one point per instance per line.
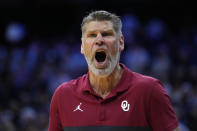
(54, 118)
(161, 113)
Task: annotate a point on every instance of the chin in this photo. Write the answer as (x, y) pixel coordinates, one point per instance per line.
(102, 72)
(105, 71)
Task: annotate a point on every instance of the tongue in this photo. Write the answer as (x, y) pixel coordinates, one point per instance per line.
(100, 56)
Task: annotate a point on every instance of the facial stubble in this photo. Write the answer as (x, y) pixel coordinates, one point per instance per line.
(112, 62)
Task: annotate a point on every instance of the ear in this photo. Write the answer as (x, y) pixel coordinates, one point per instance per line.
(121, 43)
(82, 51)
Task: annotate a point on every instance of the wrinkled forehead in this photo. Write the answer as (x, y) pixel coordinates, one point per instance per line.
(93, 26)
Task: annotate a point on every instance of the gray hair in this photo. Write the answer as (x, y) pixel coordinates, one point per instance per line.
(102, 16)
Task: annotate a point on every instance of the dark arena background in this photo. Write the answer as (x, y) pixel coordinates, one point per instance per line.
(40, 49)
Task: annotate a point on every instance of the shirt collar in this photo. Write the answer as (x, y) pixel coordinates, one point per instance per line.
(122, 85)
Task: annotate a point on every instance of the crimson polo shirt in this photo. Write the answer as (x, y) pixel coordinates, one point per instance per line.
(136, 103)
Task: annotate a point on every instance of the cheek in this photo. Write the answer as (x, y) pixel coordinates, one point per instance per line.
(112, 45)
(114, 48)
(87, 49)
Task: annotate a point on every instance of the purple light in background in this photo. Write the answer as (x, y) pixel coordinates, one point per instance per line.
(155, 29)
(15, 32)
(130, 25)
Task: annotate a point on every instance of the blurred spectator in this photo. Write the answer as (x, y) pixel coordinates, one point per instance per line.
(137, 58)
(130, 25)
(161, 63)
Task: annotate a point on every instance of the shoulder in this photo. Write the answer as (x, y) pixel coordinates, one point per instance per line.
(145, 82)
(140, 83)
(145, 87)
(138, 79)
(151, 87)
(67, 87)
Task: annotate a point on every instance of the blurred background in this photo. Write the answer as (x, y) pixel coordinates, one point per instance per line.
(40, 49)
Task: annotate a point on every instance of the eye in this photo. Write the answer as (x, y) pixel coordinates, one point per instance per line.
(91, 35)
(106, 34)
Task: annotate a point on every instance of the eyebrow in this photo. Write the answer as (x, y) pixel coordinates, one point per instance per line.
(93, 31)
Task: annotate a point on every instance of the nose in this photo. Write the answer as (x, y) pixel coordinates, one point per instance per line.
(99, 39)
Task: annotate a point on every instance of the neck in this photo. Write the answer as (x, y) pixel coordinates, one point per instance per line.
(103, 85)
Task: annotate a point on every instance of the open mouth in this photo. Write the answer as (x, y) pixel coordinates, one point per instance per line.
(100, 56)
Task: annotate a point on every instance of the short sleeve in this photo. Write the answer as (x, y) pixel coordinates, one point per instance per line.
(54, 118)
(161, 114)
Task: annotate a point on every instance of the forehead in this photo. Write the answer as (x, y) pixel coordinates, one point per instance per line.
(93, 26)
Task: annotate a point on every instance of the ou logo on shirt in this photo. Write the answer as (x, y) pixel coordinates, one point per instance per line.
(125, 105)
